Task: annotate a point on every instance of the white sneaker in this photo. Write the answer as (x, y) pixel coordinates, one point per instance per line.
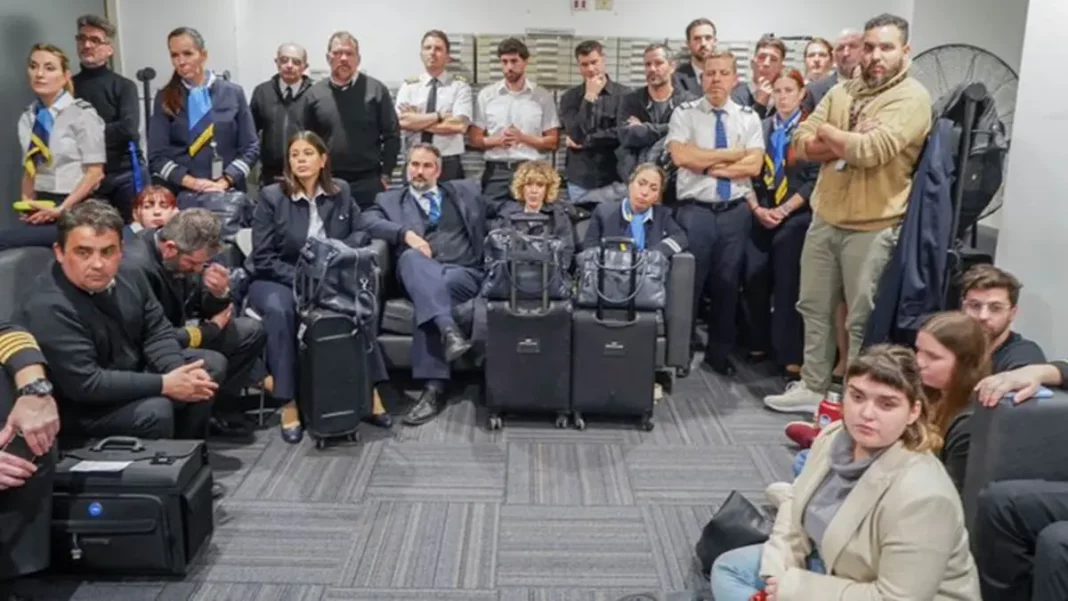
(778, 493)
(796, 399)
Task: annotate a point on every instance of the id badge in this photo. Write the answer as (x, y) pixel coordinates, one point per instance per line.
(216, 167)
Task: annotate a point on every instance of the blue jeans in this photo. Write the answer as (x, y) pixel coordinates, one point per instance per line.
(736, 574)
(575, 192)
(799, 462)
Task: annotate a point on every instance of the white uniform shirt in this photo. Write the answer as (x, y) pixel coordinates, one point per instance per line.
(695, 123)
(76, 141)
(454, 96)
(531, 109)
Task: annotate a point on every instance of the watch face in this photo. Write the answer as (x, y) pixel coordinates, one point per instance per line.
(40, 387)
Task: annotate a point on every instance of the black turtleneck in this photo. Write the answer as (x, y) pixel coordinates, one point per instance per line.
(115, 99)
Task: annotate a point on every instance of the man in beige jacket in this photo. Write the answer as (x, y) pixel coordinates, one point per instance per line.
(868, 132)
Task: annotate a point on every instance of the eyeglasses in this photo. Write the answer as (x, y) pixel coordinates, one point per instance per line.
(974, 306)
(92, 39)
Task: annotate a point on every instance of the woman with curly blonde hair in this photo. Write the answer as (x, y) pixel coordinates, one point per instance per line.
(535, 187)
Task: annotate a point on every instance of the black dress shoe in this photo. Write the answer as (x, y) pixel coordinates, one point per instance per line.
(429, 406)
(382, 420)
(218, 490)
(229, 427)
(722, 367)
(455, 343)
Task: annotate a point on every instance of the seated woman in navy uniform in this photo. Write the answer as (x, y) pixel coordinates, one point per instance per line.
(637, 217)
(781, 216)
(62, 138)
(281, 224)
(201, 137)
(535, 187)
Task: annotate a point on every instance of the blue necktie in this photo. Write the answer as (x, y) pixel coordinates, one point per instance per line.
(434, 214)
(723, 185)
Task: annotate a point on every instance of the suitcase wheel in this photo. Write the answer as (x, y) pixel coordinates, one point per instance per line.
(562, 421)
(320, 443)
(580, 424)
(494, 422)
(647, 423)
(354, 437)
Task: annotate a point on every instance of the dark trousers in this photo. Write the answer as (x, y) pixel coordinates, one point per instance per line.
(497, 185)
(157, 417)
(121, 192)
(364, 188)
(434, 289)
(26, 511)
(23, 234)
(718, 235)
(242, 342)
(773, 277)
(1021, 540)
(274, 303)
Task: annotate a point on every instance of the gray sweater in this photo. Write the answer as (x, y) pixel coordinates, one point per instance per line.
(832, 492)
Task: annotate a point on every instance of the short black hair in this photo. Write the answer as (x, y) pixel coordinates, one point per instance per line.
(434, 150)
(886, 20)
(439, 34)
(96, 214)
(768, 40)
(697, 23)
(513, 46)
(658, 46)
(588, 47)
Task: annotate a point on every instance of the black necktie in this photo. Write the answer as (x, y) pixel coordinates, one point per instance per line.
(431, 107)
(289, 95)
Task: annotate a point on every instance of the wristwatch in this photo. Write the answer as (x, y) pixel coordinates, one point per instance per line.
(38, 387)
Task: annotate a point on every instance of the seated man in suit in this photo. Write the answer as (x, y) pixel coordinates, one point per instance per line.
(114, 358)
(31, 422)
(437, 231)
(194, 292)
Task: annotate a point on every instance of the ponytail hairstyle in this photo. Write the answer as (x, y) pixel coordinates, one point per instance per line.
(896, 367)
(64, 62)
(173, 93)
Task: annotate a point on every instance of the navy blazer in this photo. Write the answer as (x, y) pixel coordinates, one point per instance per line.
(662, 232)
(280, 229)
(235, 136)
(396, 212)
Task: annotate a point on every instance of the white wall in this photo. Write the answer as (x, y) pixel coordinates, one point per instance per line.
(242, 35)
(1033, 243)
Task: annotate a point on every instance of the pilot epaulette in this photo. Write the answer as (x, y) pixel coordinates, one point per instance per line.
(460, 78)
(82, 103)
(747, 109)
(414, 79)
(689, 104)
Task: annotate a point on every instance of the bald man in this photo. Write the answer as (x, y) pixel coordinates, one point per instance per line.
(277, 105)
(847, 51)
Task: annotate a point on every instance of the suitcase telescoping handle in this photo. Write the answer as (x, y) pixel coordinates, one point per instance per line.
(624, 243)
(529, 218)
(117, 443)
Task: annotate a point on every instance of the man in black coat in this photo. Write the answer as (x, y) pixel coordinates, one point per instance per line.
(277, 107)
(195, 295)
(116, 364)
(437, 231)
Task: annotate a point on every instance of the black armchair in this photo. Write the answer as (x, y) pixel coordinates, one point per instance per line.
(19, 268)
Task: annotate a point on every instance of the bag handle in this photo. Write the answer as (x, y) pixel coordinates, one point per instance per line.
(127, 443)
(637, 264)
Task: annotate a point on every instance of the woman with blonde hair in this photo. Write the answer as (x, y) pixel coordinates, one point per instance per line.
(62, 138)
(873, 514)
(535, 187)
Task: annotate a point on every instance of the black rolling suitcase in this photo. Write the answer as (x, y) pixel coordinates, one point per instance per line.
(124, 506)
(614, 358)
(335, 375)
(528, 353)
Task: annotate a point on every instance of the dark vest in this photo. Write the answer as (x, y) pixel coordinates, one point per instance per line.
(448, 239)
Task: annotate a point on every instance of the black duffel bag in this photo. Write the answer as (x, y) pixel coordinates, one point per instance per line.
(129, 507)
(616, 275)
(515, 257)
(333, 276)
(738, 523)
(232, 207)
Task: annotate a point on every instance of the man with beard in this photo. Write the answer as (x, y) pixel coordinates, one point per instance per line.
(989, 295)
(195, 295)
(766, 66)
(354, 114)
(515, 121)
(436, 107)
(847, 53)
(277, 107)
(436, 230)
(868, 133)
(701, 41)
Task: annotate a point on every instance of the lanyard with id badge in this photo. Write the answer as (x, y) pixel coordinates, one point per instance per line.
(216, 162)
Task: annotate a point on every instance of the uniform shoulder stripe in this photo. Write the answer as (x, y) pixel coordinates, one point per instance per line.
(413, 79)
(747, 109)
(13, 342)
(82, 103)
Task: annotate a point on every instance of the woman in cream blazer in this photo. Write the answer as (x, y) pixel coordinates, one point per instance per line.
(873, 515)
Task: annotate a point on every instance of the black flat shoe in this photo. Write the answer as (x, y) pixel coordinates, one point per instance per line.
(229, 427)
(455, 344)
(382, 420)
(429, 406)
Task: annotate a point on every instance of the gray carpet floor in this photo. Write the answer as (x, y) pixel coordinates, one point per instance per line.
(453, 512)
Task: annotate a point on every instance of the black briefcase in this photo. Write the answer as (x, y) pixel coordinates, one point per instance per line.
(148, 517)
(528, 355)
(335, 375)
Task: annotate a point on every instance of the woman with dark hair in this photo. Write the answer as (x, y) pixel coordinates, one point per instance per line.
(951, 350)
(63, 159)
(308, 202)
(152, 209)
(637, 215)
(201, 137)
(781, 216)
(873, 514)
